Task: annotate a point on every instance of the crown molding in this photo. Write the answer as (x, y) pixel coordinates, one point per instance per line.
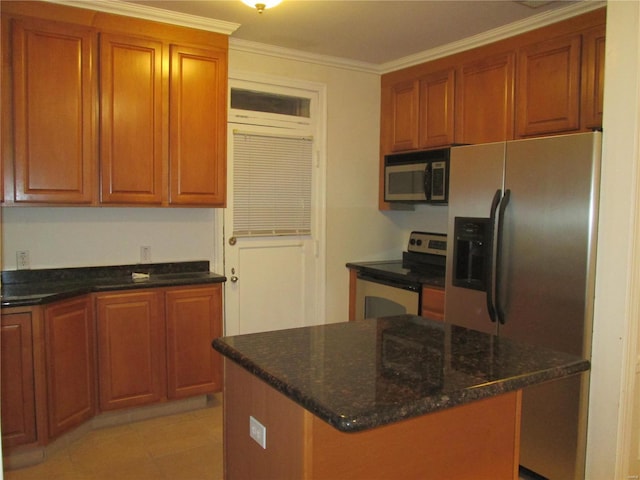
(490, 36)
(240, 45)
(118, 7)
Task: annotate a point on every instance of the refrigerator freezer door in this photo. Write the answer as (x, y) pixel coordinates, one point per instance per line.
(476, 173)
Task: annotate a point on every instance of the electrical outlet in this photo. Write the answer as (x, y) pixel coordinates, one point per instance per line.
(22, 260)
(145, 254)
(258, 432)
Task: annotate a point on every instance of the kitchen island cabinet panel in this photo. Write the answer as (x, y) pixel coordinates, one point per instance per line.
(477, 440)
(131, 160)
(70, 359)
(131, 355)
(18, 391)
(54, 151)
(193, 321)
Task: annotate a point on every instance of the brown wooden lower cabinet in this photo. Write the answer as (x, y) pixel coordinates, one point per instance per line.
(193, 321)
(18, 391)
(156, 344)
(432, 304)
(64, 362)
(70, 359)
(131, 360)
(477, 440)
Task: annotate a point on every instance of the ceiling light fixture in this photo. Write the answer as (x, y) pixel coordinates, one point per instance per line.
(261, 6)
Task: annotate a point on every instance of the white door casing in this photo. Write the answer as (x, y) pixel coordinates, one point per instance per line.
(276, 282)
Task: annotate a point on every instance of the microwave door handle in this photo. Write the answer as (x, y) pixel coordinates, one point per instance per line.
(427, 181)
(491, 308)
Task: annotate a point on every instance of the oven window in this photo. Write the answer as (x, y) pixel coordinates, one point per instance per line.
(382, 307)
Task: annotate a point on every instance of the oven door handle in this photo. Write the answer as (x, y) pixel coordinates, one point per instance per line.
(413, 287)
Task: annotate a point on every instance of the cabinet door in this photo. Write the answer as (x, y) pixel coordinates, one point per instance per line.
(18, 391)
(484, 100)
(432, 303)
(70, 359)
(593, 78)
(130, 120)
(194, 319)
(197, 126)
(548, 98)
(131, 355)
(436, 109)
(54, 154)
(404, 115)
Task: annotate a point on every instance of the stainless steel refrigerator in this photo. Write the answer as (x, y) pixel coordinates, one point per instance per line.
(520, 263)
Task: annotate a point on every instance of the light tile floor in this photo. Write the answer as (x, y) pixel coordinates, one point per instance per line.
(185, 446)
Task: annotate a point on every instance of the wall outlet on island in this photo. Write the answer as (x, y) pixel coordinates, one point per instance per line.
(258, 432)
(22, 260)
(145, 254)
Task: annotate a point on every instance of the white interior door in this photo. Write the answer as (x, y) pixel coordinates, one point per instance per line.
(274, 282)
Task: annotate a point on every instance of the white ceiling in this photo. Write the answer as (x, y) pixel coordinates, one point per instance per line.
(366, 31)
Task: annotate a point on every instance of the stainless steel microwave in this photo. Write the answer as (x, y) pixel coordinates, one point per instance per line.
(417, 177)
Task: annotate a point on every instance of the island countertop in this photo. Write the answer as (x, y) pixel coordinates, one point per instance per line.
(365, 374)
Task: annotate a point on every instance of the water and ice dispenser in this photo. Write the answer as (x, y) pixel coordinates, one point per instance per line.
(472, 252)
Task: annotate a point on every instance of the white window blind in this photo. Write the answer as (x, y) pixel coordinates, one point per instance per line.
(271, 184)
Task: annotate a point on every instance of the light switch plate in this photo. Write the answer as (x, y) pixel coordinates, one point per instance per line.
(258, 432)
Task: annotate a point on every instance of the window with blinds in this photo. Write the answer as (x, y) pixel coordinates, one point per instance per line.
(271, 184)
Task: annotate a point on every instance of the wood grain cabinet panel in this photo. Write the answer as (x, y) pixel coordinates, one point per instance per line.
(436, 120)
(197, 124)
(70, 360)
(403, 120)
(432, 303)
(593, 78)
(131, 160)
(484, 99)
(193, 321)
(549, 87)
(131, 360)
(18, 391)
(53, 91)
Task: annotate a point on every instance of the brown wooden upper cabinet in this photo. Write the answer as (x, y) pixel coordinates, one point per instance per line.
(593, 53)
(102, 116)
(484, 104)
(421, 112)
(436, 109)
(549, 87)
(131, 160)
(53, 115)
(197, 116)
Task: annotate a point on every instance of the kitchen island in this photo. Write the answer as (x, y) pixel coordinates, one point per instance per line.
(395, 397)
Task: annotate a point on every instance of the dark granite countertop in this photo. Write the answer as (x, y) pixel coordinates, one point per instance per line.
(37, 287)
(394, 271)
(364, 374)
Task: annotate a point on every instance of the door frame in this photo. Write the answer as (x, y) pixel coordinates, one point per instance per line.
(319, 127)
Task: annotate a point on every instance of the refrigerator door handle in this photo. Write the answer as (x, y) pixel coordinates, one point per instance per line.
(489, 257)
(503, 207)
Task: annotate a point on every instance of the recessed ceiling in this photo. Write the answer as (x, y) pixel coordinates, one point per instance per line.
(372, 32)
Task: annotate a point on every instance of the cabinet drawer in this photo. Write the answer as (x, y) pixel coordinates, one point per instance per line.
(432, 305)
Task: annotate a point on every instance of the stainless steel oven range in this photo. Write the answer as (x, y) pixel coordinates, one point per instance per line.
(395, 287)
